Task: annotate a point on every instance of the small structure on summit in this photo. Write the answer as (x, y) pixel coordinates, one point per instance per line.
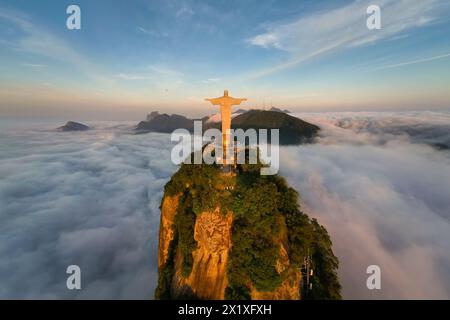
(226, 102)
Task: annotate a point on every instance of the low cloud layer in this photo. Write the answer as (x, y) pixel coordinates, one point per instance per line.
(383, 196)
(90, 199)
(378, 181)
(431, 128)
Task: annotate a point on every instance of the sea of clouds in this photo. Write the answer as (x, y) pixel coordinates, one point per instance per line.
(85, 198)
(379, 182)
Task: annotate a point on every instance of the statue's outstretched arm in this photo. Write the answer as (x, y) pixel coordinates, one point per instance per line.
(238, 101)
(213, 101)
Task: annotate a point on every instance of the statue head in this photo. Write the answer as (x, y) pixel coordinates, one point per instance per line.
(225, 93)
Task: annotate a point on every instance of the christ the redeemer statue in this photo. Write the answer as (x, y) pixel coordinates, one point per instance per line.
(225, 103)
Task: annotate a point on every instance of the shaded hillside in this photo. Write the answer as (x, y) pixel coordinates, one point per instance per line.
(165, 123)
(239, 237)
(73, 126)
(292, 130)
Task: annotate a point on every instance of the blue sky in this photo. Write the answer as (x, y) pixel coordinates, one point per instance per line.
(131, 57)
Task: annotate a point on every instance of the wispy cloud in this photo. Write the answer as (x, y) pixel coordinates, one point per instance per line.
(42, 42)
(211, 80)
(133, 77)
(185, 10)
(408, 63)
(151, 32)
(298, 96)
(34, 65)
(165, 71)
(153, 72)
(342, 28)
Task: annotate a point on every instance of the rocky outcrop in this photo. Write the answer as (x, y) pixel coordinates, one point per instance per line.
(168, 209)
(73, 126)
(164, 123)
(279, 110)
(208, 278)
(239, 236)
(292, 130)
(289, 288)
(152, 115)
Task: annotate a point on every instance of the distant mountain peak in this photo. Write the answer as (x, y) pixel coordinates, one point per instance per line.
(279, 110)
(158, 122)
(152, 115)
(292, 129)
(240, 111)
(73, 126)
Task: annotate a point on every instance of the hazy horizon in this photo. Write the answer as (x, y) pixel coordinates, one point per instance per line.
(74, 116)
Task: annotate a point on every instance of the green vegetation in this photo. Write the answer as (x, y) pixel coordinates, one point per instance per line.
(308, 236)
(255, 226)
(326, 282)
(266, 213)
(203, 183)
(184, 223)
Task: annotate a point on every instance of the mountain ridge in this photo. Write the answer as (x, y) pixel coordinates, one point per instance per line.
(292, 130)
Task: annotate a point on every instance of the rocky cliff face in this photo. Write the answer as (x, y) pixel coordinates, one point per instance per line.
(208, 278)
(289, 289)
(168, 210)
(247, 241)
(212, 232)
